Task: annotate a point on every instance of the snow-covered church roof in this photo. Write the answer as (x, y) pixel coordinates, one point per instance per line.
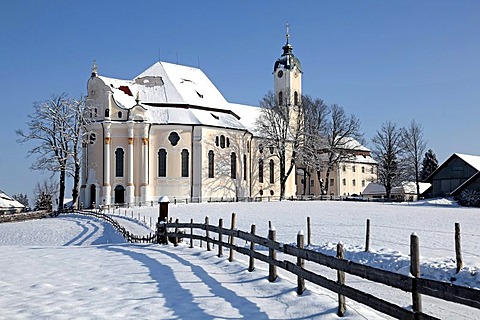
(176, 94)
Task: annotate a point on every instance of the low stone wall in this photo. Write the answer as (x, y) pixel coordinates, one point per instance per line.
(24, 216)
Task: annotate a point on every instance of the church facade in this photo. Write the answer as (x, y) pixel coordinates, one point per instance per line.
(169, 131)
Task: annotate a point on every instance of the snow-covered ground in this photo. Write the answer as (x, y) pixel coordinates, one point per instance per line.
(78, 267)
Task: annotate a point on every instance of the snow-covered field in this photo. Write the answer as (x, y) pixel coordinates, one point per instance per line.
(78, 267)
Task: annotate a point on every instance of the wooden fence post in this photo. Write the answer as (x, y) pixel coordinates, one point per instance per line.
(272, 254)
(251, 262)
(230, 256)
(207, 234)
(220, 238)
(458, 248)
(175, 239)
(300, 262)
(415, 271)
(309, 231)
(342, 307)
(367, 237)
(191, 233)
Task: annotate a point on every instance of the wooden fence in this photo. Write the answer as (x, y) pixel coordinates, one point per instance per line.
(414, 284)
(152, 238)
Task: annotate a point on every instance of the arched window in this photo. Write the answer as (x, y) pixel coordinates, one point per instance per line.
(185, 157)
(162, 163)
(272, 171)
(233, 165)
(119, 160)
(280, 98)
(216, 141)
(245, 167)
(211, 164)
(107, 113)
(222, 141)
(260, 171)
(295, 98)
(120, 114)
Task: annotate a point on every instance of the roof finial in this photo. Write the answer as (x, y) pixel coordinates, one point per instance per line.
(94, 68)
(137, 99)
(288, 34)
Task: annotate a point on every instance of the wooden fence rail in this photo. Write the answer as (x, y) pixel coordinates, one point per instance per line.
(408, 283)
(152, 238)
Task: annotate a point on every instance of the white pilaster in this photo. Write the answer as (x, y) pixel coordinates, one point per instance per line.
(145, 146)
(130, 186)
(83, 183)
(107, 188)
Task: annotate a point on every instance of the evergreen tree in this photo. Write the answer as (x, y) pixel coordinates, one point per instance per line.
(429, 164)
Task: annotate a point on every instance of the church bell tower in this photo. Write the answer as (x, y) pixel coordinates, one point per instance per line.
(287, 75)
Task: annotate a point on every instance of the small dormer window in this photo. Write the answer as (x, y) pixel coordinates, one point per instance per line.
(120, 114)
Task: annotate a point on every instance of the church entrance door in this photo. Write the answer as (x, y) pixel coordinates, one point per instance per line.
(119, 194)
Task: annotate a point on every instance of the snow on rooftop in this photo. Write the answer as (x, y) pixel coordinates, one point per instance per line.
(7, 202)
(472, 160)
(199, 101)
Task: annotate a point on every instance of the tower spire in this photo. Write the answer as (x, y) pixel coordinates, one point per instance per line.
(287, 48)
(288, 34)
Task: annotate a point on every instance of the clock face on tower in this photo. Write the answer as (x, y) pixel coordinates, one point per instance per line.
(280, 73)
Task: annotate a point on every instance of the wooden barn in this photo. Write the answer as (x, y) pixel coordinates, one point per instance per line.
(459, 172)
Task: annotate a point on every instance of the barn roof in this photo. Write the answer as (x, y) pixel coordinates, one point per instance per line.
(473, 161)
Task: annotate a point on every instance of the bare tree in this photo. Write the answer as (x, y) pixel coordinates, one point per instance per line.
(414, 146)
(312, 155)
(77, 134)
(22, 198)
(387, 151)
(342, 131)
(46, 126)
(281, 127)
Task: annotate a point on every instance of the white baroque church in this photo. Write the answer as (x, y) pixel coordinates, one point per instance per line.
(169, 131)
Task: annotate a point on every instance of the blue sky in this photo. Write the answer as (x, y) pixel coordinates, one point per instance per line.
(380, 60)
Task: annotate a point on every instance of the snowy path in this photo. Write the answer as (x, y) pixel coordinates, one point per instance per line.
(77, 267)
